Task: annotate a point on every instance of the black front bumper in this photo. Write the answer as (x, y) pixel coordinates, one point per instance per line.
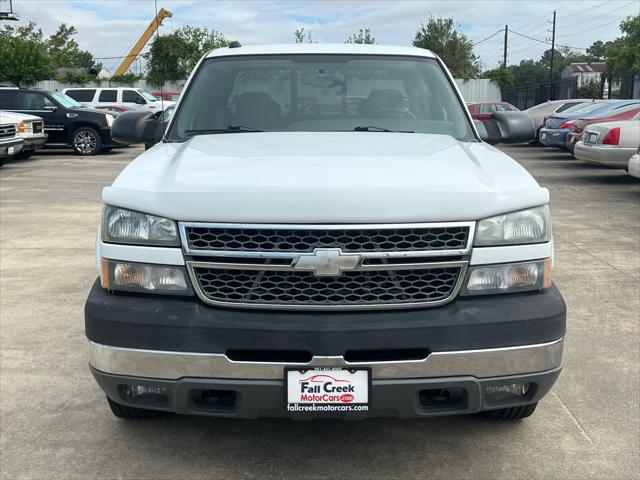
(188, 325)
(400, 398)
(5, 144)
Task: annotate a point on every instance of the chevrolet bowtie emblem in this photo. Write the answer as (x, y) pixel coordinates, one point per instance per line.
(327, 262)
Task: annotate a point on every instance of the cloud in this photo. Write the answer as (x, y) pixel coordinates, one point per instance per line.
(109, 28)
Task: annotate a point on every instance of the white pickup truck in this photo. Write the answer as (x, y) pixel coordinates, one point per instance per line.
(320, 231)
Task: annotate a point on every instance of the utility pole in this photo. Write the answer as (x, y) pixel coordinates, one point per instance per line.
(553, 49)
(504, 54)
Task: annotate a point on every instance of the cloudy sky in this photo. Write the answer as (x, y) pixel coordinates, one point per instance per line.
(108, 28)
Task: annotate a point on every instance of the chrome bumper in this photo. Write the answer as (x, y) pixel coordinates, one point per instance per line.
(484, 363)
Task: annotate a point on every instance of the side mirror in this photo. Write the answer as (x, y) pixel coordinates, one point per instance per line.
(515, 127)
(141, 101)
(137, 127)
(483, 131)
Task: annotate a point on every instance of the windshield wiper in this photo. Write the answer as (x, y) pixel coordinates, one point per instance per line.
(372, 128)
(229, 129)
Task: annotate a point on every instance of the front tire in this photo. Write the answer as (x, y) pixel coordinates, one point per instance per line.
(132, 413)
(86, 141)
(511, 413)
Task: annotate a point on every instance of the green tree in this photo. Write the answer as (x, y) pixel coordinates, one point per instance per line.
(30, 31)
(590, 89)
(529, 71)
(363, 36)
(455, 49)
(168, 59)
(545, 59)
(597, 50)
(126, 78)
(64, 51)
(623, 53)
(77, 78)
(23, 57)
(302, 37)
(504, 77)
(199, 41)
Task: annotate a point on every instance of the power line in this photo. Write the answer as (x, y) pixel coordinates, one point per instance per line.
(590, 19)
(487, 38)
(593, 28)
(546, 42)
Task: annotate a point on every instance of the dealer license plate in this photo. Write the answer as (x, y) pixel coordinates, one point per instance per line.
(543, 136)
(592, 138)
(327, 389)
(10, 150)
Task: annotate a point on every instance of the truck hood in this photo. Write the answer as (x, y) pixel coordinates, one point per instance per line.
(324, 177)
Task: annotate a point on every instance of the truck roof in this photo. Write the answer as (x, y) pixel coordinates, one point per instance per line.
(321, 48)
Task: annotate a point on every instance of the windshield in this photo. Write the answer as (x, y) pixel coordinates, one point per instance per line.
(321, 93)
(66, 101)
(147, 95)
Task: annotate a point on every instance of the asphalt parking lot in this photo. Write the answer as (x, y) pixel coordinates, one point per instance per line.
(55, 422)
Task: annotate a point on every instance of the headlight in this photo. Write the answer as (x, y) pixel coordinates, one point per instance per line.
(126, 226)
(138, 277)
(525, 226)
(508, 277)
(110, 119)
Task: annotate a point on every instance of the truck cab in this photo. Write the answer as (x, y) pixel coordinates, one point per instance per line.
(285, 252)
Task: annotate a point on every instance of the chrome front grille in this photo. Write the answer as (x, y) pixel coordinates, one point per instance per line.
(7, 130)
(327, 266)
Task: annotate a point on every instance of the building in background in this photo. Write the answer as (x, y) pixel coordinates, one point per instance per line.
(583, 73)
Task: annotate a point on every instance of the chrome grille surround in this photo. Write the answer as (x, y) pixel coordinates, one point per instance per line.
(8, 130)
(298, 279)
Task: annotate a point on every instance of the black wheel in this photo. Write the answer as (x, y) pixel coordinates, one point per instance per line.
(512, 413)
(24, 155)
(86, 141)
(132, 413)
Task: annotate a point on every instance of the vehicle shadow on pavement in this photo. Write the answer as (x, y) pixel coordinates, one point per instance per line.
(281, 448)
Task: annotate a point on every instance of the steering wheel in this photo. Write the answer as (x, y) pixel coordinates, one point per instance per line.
(404, 113)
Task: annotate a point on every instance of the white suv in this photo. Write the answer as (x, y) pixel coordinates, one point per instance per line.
(132, 98)
(282, 251)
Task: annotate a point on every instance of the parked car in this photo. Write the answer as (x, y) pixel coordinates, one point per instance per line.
(113, 108)
(540, 112)
(264, 262)
(171, 96)
(610, 143)
(10, 142)
(576, 130)
(132, 98)
(634, 164)
(30, 129)
(554, 133)
(484, 110)
(68, 123)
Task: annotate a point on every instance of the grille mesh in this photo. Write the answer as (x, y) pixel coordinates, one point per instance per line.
(372, 240)
(305, 289)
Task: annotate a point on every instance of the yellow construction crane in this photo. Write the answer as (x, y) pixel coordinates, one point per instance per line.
(142, 41)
